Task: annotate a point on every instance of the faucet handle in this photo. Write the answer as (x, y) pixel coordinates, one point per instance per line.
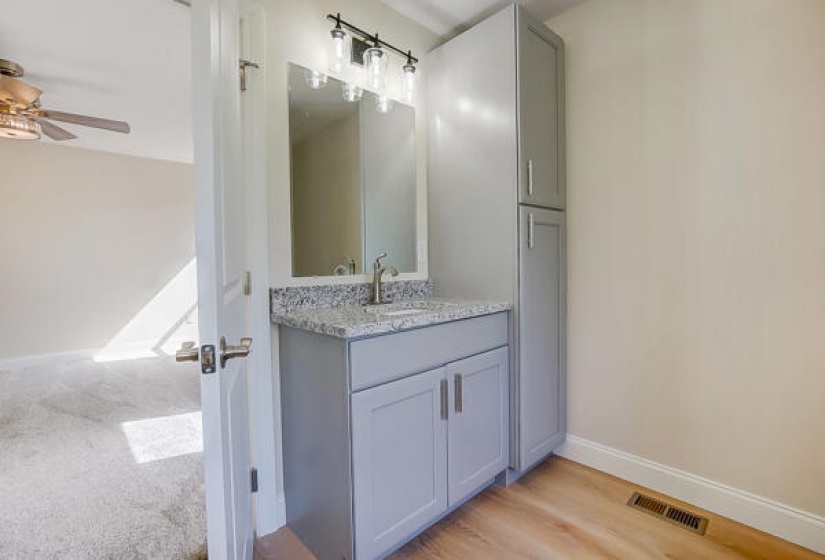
(380, 256)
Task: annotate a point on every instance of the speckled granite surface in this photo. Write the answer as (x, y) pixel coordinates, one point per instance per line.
(355, 321)
(310, 297)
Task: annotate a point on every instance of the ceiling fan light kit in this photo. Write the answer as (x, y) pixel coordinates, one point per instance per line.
(22, 118)
(18, 128)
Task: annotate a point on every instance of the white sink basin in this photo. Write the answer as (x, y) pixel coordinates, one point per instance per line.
(411, 307)
(397, 312)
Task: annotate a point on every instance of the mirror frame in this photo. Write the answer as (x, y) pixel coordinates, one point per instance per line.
(421, 243)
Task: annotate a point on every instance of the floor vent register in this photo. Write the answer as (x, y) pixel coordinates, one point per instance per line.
(663, 510)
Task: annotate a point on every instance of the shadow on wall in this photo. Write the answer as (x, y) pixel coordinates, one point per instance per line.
(169, 318)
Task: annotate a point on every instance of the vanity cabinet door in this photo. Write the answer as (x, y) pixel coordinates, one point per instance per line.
(479, 426)
(541, 114)
(541, 334)
(399, 460)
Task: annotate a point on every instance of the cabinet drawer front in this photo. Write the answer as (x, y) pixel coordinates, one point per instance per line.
(377, 360)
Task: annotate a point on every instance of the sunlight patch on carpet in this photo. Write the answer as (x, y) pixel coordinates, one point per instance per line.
(164, 437)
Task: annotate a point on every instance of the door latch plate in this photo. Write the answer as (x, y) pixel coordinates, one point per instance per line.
(208, 358)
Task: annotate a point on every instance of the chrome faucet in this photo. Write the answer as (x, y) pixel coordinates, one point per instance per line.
(377, 273)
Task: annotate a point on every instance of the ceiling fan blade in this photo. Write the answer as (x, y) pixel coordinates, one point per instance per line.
(53, 131)
(94, 122)
(17, 91)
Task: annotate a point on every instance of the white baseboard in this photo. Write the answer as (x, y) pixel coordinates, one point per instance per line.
(22, 362)
(794, 525)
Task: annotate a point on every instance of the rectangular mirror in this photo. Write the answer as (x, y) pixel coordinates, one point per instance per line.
(353, 173)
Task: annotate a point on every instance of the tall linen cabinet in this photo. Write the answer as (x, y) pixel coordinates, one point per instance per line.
(496, 203)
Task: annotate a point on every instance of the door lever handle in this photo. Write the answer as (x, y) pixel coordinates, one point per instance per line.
(230, 352)
(187, 353)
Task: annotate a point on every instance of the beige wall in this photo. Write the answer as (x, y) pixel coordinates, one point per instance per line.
(299, 33)
(326, 199)
(88, 239)
(696, 138)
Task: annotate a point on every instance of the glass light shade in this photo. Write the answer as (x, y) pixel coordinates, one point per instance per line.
(375, 66)
(315, 80)
(351, 92)
(18, 128)
(409, 82)
(383, 104)
(339, 50)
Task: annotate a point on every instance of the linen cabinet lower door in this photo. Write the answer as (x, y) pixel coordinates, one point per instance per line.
(479, 425)
(399, 460)
(542, 289)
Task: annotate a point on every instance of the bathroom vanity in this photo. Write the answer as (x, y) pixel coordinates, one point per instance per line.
(393, 415)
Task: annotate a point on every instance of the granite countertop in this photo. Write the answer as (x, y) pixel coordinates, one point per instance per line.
(355, 321)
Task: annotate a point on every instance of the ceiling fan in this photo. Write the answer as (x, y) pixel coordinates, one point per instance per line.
(22, 117)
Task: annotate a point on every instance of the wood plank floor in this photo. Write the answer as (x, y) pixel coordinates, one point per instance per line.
(564, 510)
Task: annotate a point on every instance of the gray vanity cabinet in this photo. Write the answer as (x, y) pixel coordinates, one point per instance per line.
(383, 435)
(540, 71)
(399, 460)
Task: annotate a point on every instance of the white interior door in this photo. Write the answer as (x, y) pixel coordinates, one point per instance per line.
(220, 222)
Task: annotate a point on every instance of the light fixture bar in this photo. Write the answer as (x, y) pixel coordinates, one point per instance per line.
(372, 38)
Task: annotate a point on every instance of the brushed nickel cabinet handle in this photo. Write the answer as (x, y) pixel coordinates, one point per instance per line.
(459, 397)
(444, 400)
(530, 177)
(531, 226)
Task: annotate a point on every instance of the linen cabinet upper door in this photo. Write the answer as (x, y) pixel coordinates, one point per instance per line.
(541, 115)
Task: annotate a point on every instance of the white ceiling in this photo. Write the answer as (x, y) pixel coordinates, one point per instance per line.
(127, 60)
(449, 18)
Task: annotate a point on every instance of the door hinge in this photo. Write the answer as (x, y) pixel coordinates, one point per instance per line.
(244, 64)
(247, 283)
(253, 479)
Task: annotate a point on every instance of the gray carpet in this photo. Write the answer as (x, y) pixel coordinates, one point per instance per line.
(101, 461)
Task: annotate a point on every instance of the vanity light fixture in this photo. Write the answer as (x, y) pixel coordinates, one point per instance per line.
(339, 48)
(314, 79)
(376, 57)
